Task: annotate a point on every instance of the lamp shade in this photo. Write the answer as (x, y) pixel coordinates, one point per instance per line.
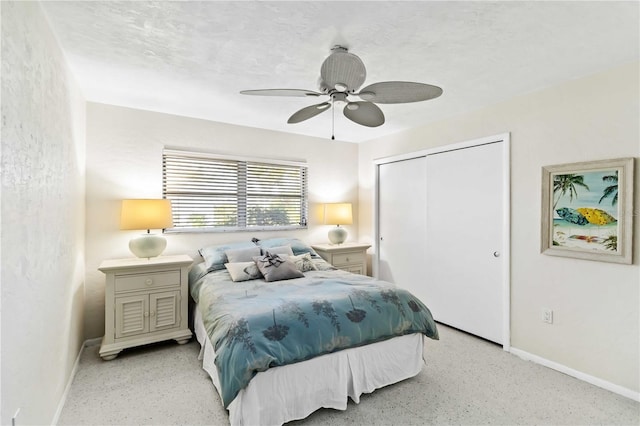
(338, 214)
(146, 214)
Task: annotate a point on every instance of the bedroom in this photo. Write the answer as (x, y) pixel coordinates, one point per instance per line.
(67, 162)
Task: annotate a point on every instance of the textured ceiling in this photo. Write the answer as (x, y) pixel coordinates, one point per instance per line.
(193, 58)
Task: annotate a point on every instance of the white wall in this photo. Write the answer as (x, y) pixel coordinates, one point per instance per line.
(596, 305)
(43, 148)
(124, 160)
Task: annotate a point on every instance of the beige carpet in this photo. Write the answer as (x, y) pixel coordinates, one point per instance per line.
(467, 381)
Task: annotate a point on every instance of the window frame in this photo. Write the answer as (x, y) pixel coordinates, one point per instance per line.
(241, 193)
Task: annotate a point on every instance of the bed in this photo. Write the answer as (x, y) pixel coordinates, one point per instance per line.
(283, 333)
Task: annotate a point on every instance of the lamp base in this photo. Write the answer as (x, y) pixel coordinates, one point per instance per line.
(148, 245)
(337, 235)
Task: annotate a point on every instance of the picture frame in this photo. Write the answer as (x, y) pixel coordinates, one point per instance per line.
(587, 210)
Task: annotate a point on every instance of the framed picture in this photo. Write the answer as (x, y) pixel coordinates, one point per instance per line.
(587, 210)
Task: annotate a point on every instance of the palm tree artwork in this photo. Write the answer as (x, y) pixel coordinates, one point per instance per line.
(567, 183)
(611, 243)
(612, 190)
(581, 219)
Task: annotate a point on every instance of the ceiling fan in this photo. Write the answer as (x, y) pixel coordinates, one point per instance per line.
(341, 75)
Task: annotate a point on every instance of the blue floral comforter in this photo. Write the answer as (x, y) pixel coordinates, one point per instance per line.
(254, 325)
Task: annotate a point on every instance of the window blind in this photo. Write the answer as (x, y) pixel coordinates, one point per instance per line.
(221, 193)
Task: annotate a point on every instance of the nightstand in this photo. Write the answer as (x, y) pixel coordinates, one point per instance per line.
(146, 301)
(351, 257)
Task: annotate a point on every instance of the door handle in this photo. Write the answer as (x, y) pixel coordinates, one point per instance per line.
(496, 254)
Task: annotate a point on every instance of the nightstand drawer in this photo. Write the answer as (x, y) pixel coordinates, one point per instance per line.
(146, 281)
(348, 257)
(354, 269)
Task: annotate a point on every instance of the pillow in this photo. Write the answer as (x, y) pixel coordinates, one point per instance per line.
(198, 271)
(276, 268)
(280, 250)
(303, 262)
(214, 256)
(297, 246)
(242, 254)
(323, 265)
(243, 271)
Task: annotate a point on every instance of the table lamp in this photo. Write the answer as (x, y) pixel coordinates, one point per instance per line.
(338, 214)
(146, 214)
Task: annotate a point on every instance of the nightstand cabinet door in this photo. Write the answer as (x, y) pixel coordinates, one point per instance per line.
(132, 315)
(164, 312)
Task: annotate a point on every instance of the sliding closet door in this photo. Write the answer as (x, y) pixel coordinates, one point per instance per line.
(402, 223)
(463, 259)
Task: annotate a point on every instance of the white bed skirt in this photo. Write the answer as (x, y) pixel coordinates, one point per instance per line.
(292, 392)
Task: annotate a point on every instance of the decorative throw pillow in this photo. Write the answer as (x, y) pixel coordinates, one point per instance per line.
(279, 250)
(242, 254)
(303, 262)
(214, 256)
(243, 271)
(276, 268)
(323, 265)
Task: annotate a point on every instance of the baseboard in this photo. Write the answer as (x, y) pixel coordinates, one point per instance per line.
(612, 387)
(63, 398)
(92, 342)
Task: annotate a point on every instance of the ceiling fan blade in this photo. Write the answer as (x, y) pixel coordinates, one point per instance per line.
(364, 113)
(399, 92)
(308, 112)
(281, 92)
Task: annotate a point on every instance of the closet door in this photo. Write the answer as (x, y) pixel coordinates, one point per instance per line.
(402, 224)
(463, 258)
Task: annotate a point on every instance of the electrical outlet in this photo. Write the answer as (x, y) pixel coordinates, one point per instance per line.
(547, 316)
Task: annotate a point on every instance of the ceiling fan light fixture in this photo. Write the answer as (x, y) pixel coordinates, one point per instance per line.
(367, 96)
(340, 87)
(339, 98)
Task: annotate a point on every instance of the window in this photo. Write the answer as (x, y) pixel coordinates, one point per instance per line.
(210, 192)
